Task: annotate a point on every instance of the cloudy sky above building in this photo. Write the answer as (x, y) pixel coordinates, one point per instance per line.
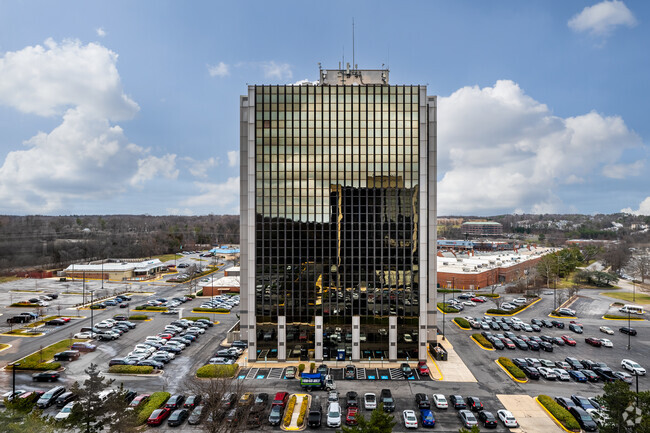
(132, 107)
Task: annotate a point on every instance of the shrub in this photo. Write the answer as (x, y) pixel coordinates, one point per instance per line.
(449, 291)
(35, 365)
(131, 369)
(97, 307)
(312, 367)
(560, 413)
(138, 317)
(446, 308)
(482, 341)
(141, 307)
(193, 296)
(301, 368)
(304, 406)
(211, 310)
(490, 295)
(288, 414)
(195, 318)
(463, 323)
(199, 293)
(217, 370)
(512, 368)
(150, 308)
(23, 304)
(617, 316)
(156, 400)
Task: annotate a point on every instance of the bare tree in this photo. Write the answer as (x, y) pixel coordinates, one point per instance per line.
(222, 409)
(617, 256)
(640, 267)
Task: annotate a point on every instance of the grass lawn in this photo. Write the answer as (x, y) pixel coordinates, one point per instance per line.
(49, 351)
(7, 279)
(167, 257)
(641, 298)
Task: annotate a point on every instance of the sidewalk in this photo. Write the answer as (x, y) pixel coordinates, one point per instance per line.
(529, 414)
(454, 369)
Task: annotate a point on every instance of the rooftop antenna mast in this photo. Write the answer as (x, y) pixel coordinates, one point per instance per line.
(353, 64)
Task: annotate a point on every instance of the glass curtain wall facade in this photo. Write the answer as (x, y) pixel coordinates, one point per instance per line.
(336, 224)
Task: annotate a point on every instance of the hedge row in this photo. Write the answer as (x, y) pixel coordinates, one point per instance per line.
(560, 413)
(303, 410)
(24, 304)
(449, 291)
(156, 400)
(490, 295)
(446, 308)
(483, 341)
(195, 318)
(150, 308)
(616, 316)
(462, 322)
(217, 370)
(199, 293)
(131, 369)
(211, 310)
(512, 368)
(138, 317)
(288, 414)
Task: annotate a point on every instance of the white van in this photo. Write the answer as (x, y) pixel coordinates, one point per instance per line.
(634, 309)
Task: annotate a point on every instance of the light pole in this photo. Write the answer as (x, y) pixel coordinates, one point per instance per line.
(92, 311)
(102, 274)
(629, 334)
(13, 387)
(444, 305)
(83, 289)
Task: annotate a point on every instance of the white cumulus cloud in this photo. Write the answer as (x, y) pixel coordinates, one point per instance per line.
(219, 70)
(199, 168)
(498, 149)
(101, 32)
(602, 18)
(233, 157)
(621, 171)
(644, 208)
(279, 71)
(215, 197)
(86, 156)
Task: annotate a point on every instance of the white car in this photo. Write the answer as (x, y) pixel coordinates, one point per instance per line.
(605, 342)
(410, 420)
(369, 401)
(145, 347)
(334, 415)
(170, 355)
(633, 367)
(562, 374)
(607, 330)
(519, 301)
(566, 311)
(469, 303)
(547, 373)
(176, 344)
(507, 306)
(104, 325)
(196, 329)
(507, 418)
(598, 416)
(65, 412)
(440, 401)
(82, 335)
(156, 339)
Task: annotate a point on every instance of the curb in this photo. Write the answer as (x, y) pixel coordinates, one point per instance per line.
(508, 373)
(632, 319)
(562, 317)
(442, 378)
(480, 345)
(446, 313)
(514, 314)
(40, 334)
(304, 423)
(158, 373)
(8, 346)
(552, 417)
(569, 301)
(207, 312)
(464, 329)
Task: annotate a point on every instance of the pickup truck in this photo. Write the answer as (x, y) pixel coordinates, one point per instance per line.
(317, 381)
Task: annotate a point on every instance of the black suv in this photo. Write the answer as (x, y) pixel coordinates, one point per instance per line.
(474, 404)
(627, 330)
(583, 418)
(386, 398)
(46, 376)
(175, 401)
(422, 400)
(457, 402)
(353, 400)
(67, 355)
(315, 416)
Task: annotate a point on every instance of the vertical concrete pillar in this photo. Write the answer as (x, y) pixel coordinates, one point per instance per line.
(318, 338)
(356, 340)
(282, 338)
(392, 338)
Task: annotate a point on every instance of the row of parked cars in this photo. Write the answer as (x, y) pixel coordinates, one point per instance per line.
(584, 370)
(158, 350)
(496, 323)
(222, 301)
(120, 300)
(546, 343)
(587, 411)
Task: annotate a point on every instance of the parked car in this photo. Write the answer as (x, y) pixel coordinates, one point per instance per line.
(507, 418)
(178, 417)
(406, 370)
(351, 416)
(474, 404)
(422, 401)
(627, 330)
(83, 347)
(633, 367)
(467, 418)
(65, 398)
(350, 372)
(369, 401)
(457, 402)
(583, 418)
(422, 368)
(46, 376)
(334, 415)
(440, 401)
(409, 418)
(593, 342)
(607, 330)
(158, 416)
(49, 398)
(386, 398)
(67, 355)
(575, 328)
(487, 419)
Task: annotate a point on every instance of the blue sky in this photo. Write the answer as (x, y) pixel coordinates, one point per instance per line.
(132, 107)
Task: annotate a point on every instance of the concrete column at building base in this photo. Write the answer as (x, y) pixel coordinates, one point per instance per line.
(356, 338)
(282, 338)
(392, 338)
(318, 339)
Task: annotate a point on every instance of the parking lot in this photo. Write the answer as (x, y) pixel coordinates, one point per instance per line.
(370, 376)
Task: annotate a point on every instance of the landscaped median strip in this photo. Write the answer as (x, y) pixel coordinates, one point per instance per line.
(510, 366)
(33, 361)
(4, 346)
(482, 342)
(462, 323)
(294, 417)
(503, 313)
(560, 415)
(156, 400)
(621, 317)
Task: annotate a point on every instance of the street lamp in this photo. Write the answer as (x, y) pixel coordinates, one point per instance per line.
(13, 370)
(629, 334)
(83, 289)
(102, 274)
(92, 311)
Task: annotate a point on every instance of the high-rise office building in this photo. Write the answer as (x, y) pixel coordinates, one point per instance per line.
(338, 219)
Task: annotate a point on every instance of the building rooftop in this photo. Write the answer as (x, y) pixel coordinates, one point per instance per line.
(223, 282)
(355, 76)
(475, 264)
(484, 223)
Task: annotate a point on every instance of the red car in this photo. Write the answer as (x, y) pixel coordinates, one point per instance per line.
(593, 342)
(165, 336)
(477, 300)
(158, 416)
(508, 343)
(351, 418)
(65, 319)
(575, 322)
(568, 340)
(139, 399)
(422, 368)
